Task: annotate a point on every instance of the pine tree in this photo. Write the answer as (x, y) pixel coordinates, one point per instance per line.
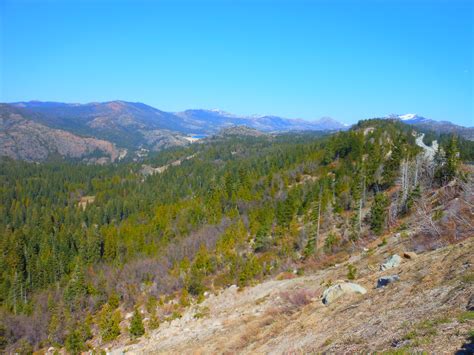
(76, 288)
(109, 323)
(378, 213)
(261, 240)
(74, 342)
(136, 328)
(452, 159)
(447, 162)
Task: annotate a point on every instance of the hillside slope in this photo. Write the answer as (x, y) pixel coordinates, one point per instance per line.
(87, 249)
(22, 138)
(426, 310)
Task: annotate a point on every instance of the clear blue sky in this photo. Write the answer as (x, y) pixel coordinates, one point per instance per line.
(299, 59)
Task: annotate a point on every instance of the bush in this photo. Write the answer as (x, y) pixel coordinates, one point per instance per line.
(351, 272)
(331, 241)
(184, 298)
(195, 284)
(297, 299)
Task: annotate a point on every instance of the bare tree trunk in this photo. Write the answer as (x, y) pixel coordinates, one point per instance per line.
(405, 184)
(319, 217)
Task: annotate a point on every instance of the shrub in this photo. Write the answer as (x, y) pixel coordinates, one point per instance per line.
(286, 275)
(298, 298)
(331, 241)
(195, 283)
(203, 312)
(351, 272)
(184, 298)
(468, 278)
(154, 322)
(173, 316)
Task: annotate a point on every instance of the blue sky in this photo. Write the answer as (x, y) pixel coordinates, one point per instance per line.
(299, 59)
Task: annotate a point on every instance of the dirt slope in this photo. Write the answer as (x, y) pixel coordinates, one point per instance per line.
(425, 310)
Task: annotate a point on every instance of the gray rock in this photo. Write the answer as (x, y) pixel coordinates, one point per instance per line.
(391, 262)
(384, 281)
(334, 292)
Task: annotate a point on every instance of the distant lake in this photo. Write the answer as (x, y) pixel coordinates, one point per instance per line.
(199, 136)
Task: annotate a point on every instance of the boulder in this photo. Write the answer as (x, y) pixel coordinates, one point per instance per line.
(409, 255)
(334, 292)
(384, 281)
(391, 262)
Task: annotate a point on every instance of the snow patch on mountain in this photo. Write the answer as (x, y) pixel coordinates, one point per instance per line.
(408, 116)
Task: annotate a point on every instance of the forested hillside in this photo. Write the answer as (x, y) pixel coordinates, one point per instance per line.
(84, 249)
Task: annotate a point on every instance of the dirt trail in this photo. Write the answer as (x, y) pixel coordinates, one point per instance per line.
(420, 312)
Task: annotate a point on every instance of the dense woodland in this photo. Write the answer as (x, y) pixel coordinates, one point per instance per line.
(241, 209)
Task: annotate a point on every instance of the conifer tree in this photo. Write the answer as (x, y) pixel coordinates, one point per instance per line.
(447, 162)
(136, 328)
(378, 213)
(109, 323)
(76, 288)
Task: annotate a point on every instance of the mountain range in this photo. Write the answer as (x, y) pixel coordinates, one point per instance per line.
(436, 126)
(103, 132)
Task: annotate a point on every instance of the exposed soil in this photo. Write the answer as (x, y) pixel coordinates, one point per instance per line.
(426, 310)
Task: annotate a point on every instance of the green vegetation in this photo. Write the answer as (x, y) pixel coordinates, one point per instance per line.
(351, 272)
(465, 316)
(447, 161)
(109, 323)
(468, 277)
(378, 213)
(136, 328)
(422, 331)
(242, 209)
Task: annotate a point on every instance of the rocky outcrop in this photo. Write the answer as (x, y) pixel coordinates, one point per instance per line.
(334, 292)
(393, 261)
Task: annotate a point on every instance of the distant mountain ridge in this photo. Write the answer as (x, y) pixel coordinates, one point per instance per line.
(211, 120)
(107, 131)
(131, 126)
(118, 113)
(436, 126)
